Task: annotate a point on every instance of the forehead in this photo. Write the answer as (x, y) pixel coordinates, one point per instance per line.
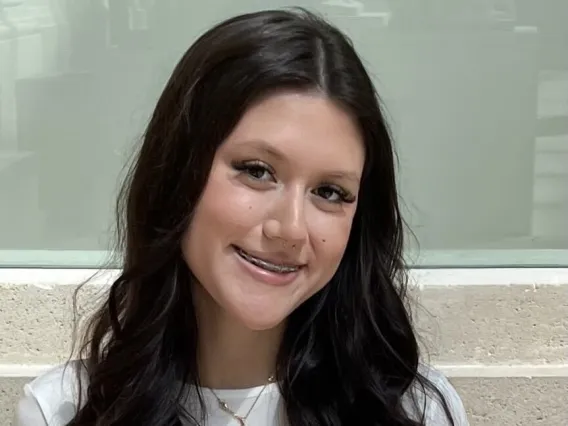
(304, 127)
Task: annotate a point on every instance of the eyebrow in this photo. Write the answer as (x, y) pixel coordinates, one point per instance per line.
(264, 147)
(345, 175)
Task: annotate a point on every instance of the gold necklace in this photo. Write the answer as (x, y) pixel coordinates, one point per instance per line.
(241, 419)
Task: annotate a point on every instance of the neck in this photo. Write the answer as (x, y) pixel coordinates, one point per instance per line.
(230, 355)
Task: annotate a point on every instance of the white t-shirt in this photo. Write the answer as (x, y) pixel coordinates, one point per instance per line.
(50, 400)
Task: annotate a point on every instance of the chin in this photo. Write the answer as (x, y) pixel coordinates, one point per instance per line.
(259, 321)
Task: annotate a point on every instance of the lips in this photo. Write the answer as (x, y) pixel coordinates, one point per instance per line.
(268, 265)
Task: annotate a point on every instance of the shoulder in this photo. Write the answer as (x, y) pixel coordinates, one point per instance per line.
(51, 398)
(422, 400)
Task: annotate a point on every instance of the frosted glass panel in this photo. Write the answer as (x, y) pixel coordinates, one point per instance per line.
(476, 91)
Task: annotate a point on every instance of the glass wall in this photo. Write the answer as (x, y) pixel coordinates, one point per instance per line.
(476, 92)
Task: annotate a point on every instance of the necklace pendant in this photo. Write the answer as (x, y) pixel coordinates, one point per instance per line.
(241, 420)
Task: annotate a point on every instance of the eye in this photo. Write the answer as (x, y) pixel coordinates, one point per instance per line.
(258, 172)
(255, 170)
(334, 194)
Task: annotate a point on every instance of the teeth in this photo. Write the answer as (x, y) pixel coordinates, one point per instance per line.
(269, 266)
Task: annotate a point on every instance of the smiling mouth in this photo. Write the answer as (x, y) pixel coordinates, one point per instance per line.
(266, 265)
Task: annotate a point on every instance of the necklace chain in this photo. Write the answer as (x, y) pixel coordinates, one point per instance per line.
(241, 419)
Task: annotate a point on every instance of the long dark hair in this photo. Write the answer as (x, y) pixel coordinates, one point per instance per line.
(349, 354)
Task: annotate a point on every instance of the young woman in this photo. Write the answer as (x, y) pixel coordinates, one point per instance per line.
(262, 282)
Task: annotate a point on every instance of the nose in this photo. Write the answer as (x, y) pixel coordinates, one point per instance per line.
(287, 221)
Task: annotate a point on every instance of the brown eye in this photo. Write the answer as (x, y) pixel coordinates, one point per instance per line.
(334, 194)
(328, 193)
(255, 170)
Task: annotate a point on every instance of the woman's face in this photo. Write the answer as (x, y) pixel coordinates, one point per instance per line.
(275, 216)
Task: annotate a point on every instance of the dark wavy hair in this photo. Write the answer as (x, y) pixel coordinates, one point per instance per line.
(349, 354)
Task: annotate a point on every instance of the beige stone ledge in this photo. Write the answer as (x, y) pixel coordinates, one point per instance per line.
(501, 325)
(515, 401)
(495, 324)
(489, 401)
(36, 323)
(10, 392)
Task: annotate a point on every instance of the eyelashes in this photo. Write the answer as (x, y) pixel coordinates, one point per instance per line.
(334, 193)
(256, 170)
(260, 172)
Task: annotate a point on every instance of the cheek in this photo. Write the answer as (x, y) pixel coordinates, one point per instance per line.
(329, 239)
(228, 208)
